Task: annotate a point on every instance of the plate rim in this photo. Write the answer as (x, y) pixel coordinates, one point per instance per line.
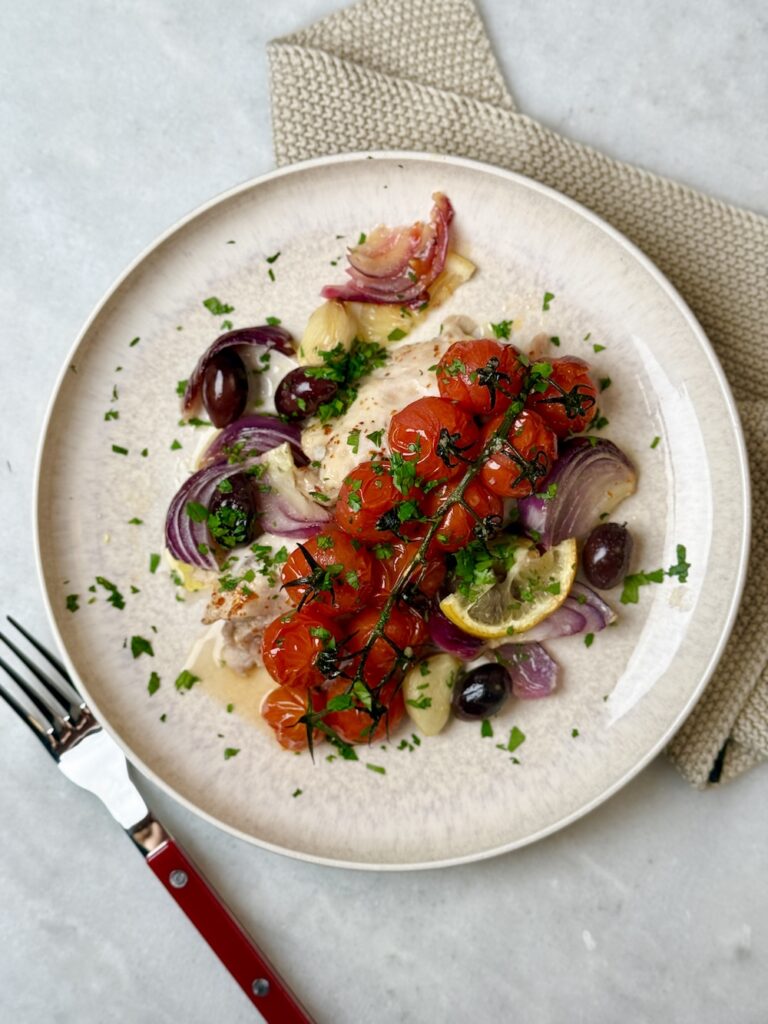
(658, 277)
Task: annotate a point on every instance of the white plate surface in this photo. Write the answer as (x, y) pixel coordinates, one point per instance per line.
(456, 797)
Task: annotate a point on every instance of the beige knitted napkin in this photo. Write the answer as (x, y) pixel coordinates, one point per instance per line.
(420, 74)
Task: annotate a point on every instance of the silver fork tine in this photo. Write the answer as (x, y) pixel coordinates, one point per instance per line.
(55, 691)
(48, 713)
(32, 722)
(50, 658)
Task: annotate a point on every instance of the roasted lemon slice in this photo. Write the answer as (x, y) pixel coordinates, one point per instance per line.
(534, 586)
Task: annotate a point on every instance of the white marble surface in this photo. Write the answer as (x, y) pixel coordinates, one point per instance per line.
(117, 117)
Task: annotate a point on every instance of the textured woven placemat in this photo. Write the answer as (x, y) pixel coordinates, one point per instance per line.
(420, 74)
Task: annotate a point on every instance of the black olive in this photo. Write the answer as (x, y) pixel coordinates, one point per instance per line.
(300, 395)
(225, 388)
(606, 554)
(232, 511)
(482, 692)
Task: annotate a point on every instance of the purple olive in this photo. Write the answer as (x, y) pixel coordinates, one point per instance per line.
(606, 554)
(225, 388)
(300, 395)
(482, 692)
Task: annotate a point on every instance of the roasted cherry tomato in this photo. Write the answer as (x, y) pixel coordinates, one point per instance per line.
(355, 725)
(283, 707)
(569, 403)
(437, 436)
(371, 508)
(299, 649)
(459, 525)
(393, 559)
(483, 376)
(517, 469)
(405, 629)
(330, 569)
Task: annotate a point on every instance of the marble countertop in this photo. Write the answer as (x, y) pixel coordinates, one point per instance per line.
(119, 117)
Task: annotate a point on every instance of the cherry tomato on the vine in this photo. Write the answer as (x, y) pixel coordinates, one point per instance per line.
(569, 403)
(405, 629)
(483, 376)
(436, 436)
(330, 569)
(355, 724)
(299, 649)
(283, 707)
(517, 469)
(372, 508)
(459, 525)
(392, 560)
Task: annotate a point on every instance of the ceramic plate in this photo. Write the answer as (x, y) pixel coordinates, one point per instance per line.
(456, 797)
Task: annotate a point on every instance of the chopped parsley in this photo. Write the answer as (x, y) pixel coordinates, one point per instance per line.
(216, 307)
(115, 597)
(154, 684)
(383, 551)
(119, 450)
(274, 321)
(574, 732)
(502, 329)
(231, 752)
(353, 440)
(140, 645)
(655, 441)
(175, 445)
(589, 639)
(486, 729)
(297, 792)
(605, 382)
(375, 437)
(396, 334)
(554, 340)
(346, 368)
(181, 387)
(548, 297)
(324, 542)
(72, 602)
(403, 472)
(630, 593)
(361, 240)
(134, 342)
(516, 736)
(598, 348)
(272, 259)
(185, 680)
(421, 704)
(376, 768)
(135, 521)
(112, 414)
(154, 561)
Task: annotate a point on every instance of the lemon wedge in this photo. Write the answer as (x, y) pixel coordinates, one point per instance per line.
(534, 586)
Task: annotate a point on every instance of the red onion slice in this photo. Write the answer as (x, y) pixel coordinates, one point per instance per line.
(410, 269)
(183, 536)
(583, 611)
(265, 336)
(592, 476)
(448, 637)
(284, 509)
(534, 672)
(254, 435)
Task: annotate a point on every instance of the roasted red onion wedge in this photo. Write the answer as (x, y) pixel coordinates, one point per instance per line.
(534, 672)
(448, 637)
(397, 265)
(251, 436)
(592, 475)
(583, 611)
(186, 535)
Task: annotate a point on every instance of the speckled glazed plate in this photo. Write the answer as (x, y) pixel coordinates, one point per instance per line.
(456, 797)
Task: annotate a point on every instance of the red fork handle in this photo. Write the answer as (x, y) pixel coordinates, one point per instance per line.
(250, 969)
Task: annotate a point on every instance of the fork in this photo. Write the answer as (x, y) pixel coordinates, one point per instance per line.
(69, 731)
